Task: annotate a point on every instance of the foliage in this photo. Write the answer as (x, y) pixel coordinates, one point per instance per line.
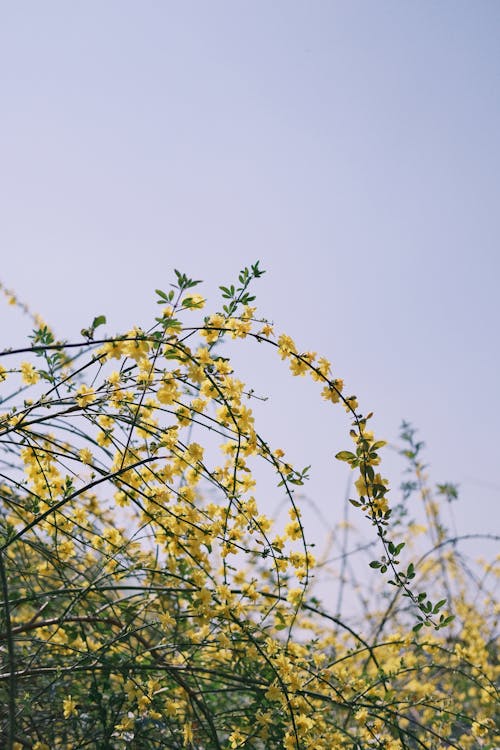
(147, 601)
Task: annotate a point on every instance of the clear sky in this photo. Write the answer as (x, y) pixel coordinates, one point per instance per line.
(352, 147)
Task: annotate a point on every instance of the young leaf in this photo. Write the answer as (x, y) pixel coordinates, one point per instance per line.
(100, 320)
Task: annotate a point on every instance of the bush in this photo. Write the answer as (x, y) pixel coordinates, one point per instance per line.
(149, 602)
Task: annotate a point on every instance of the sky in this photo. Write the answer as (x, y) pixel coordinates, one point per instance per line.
(351, 147)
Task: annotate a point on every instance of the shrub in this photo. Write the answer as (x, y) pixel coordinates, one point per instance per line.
(149, 602)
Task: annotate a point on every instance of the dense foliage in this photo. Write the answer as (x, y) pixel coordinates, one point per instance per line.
(147, 601)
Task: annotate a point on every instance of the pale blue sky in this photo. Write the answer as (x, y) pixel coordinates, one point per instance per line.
(352, 147)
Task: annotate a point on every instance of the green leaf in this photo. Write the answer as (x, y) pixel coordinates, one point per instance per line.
(100, 320)
(370, 473)
(446, 620)
(345, 456)
(280, 626)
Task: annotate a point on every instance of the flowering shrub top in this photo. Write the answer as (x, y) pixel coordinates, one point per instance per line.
(147, 599)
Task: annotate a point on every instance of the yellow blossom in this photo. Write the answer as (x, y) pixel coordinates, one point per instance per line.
(273, 693)
(194, 302)
(286, 346)
(236, 739)
(69, 707)
(187, 732)
(85, 396)
(266, 330)
(86, 456)
(29, 375)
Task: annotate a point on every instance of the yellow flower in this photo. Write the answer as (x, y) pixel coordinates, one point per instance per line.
(69, 707)
(187, 732)
(303, 723)
(236, 738)
(66, 550)
(137, 347)
(351, 403)
(332, 391)
(361, 486)
(194, 453)
(479, 730)
(193, 302)
(298, 366)
(103, 438)
(166, 620)
(293, 530)
(203, 356)
(105, 422)
(286, 346)
(266, 330)
(85, 396)
(114, 378)
(273, 693)
(294, 596)
(143, 702)
(29, 374)
(86, 456)
(361, 715)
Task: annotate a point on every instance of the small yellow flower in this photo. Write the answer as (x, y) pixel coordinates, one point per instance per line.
(293, 530)
(298, 366)
(69, 707)
(86, 456)
(303, 723)
(215, 323)
(166, 620)
(361, 485)
(236, 739)
(266, 330)
(294, 596)
(193, 302)
(143, 702)
(114, 378)
(29, 374)
(66, 550)
(286, 346)
(187, 732)
(273, 693)
(361, 715)
(85, 396)
(103, 438)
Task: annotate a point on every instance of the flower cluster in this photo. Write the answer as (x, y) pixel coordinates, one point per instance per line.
(149, 601)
